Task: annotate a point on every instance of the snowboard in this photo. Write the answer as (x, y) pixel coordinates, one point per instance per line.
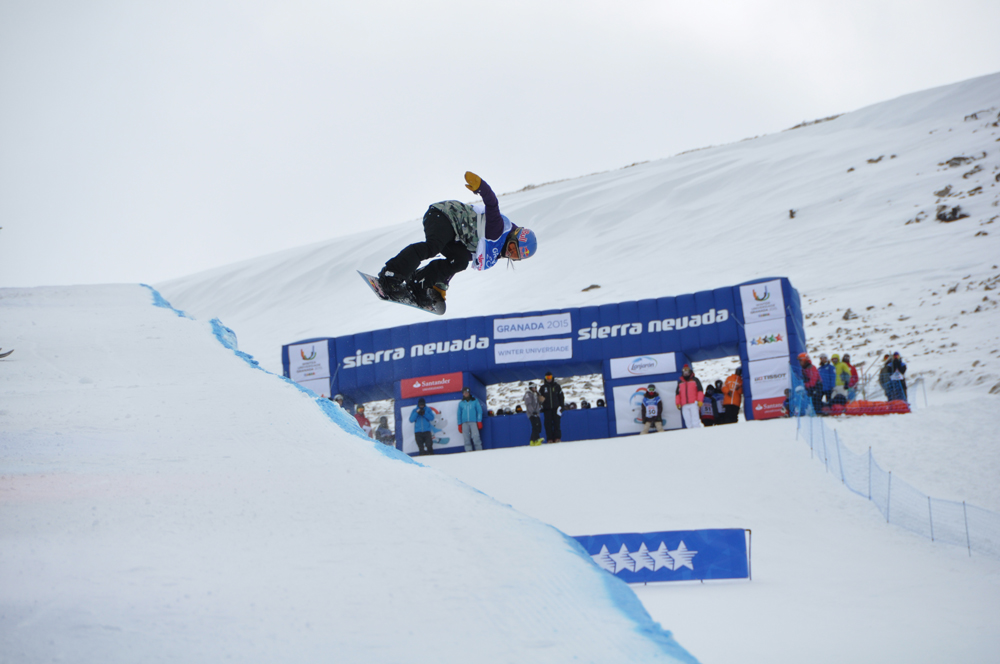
(3, 355)
(437, 307)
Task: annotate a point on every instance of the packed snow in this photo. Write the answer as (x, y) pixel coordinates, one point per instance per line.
(164, 499)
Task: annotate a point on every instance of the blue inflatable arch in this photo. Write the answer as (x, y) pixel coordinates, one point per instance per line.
(631, 343)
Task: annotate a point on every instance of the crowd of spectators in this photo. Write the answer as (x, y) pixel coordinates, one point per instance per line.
(827, 388)
(835, 383)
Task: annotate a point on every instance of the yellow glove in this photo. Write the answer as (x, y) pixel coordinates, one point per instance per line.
(699, 404)
(473, 181)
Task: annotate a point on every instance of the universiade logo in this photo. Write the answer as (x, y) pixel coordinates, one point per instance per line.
(312, 354)
(643, 558)
(761, 298)
(771, 339)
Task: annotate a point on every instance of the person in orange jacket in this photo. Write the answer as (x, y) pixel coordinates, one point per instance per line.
(689, 397)
(732, 396)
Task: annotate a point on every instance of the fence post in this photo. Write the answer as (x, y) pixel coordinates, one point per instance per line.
(826, 459)
(810, 420)
(930, 516)
(888, 498)
(840, 457)
(968, 541)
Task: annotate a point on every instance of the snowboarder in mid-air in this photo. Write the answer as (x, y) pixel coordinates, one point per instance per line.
(460, 233)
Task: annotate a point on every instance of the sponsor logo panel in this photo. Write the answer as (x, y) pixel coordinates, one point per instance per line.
(769, 379)
(643, 365)
(767, 339)
(766, 409)
(439, 384)
(628, 406)
(444, 426)
(320, 387)
(762, 301)
(533, 351)
(532, 326)
(308, 362)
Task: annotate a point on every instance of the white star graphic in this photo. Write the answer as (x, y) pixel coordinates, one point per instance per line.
(662, 558)
(643, 560)
(603, 559)
(623, 561)
(683, 557)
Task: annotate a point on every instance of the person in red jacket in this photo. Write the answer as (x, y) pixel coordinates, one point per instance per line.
(689, 397)
(811, 381)
(363, 422)
(854, 377)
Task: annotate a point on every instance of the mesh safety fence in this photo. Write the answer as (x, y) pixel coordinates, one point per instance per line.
(974, 528)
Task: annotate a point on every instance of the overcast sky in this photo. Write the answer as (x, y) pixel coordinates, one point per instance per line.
(141, 141)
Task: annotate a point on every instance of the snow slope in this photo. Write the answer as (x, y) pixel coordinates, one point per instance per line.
(832, 582)
(143, 466)
(163, 500)
(711, 218)
(718, 217)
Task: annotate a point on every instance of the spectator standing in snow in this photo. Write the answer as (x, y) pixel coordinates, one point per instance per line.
(339, 400)
(533, 407)
(708, 407)
(600, 404)
(470, 420)
(853, 379)
(689, 397)
(720, 407)
(828, 376)
(363, 422)
(812, 382)
(884, 376)
(383, 433)
(652, 410)
(422, 416)
(897, 378)
(732, 392)
(842, 376)
(786, 406)
(584, 404)
(551, 396)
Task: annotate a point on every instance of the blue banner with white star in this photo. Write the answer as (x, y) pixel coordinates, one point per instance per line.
(682, 555)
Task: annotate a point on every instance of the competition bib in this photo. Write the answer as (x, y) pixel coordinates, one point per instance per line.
(488, 252)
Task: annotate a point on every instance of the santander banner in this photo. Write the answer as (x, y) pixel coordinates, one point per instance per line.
(425, 385)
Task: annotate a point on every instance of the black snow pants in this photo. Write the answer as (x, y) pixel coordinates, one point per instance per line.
(439, 238)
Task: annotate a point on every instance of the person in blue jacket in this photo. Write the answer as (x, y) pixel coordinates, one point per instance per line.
(460, 233)
(470, 420)
(828, 376)
(422, 418)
